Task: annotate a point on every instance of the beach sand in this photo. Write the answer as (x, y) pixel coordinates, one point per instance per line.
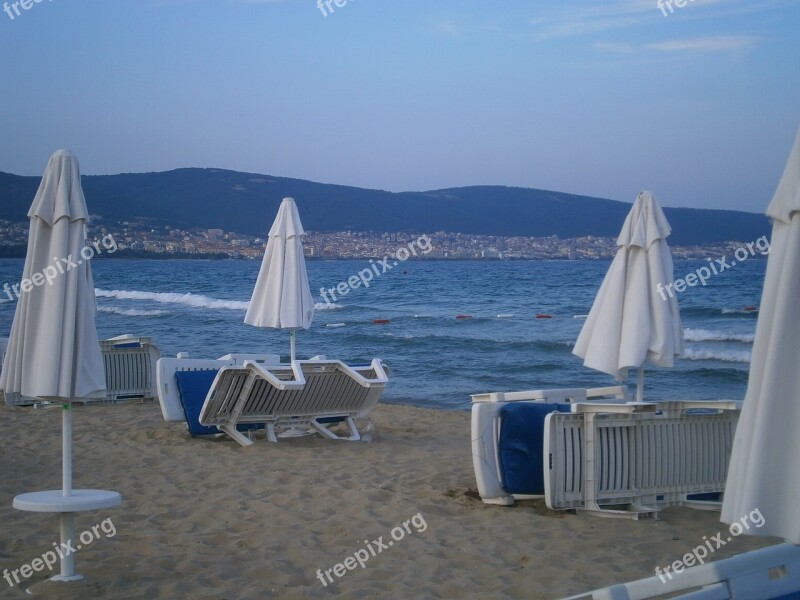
(206, 518)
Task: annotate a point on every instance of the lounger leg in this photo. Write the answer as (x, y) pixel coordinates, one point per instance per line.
(236, 435)
(351, 425)
(271, 433)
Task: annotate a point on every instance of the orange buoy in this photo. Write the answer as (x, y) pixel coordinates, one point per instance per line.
(381, 321)
(544, 316)
(749, 308)
(463, 316)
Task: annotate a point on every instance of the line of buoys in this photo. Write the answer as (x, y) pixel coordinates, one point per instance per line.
(380, 321)
(544, 316)
(750, 308)
(462, 317)
(505, 316)
(580, 316)
(335, 325)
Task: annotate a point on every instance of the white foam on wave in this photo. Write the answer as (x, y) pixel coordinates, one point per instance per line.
(735, 356)
(705, 335)
(327, 306)
(130, 312)
(188, 299)
(194, 300)
(739, 311)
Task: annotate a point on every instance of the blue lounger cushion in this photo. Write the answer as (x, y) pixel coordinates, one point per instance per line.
(193, 387)
(521, 445)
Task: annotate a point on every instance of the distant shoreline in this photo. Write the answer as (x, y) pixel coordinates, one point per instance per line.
(19, 251)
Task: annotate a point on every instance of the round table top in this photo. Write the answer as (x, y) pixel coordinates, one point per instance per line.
(54, 501)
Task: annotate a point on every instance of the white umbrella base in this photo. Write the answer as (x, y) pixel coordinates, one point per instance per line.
(54, 501)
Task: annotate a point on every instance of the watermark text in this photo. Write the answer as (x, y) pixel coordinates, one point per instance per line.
(60, 551)
(59, 267)
(709, 546)
(371, 549)
(715, 267)
(422, 245)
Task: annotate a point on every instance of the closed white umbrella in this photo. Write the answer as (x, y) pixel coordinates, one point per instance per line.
(633, 320)
(763, 473)
(281, 298)
(53, 353)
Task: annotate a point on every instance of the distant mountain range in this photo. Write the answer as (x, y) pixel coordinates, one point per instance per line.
(247, 203)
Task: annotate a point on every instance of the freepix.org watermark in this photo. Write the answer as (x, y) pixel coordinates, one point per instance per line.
(714, 268)
(709, 546)
(663, 5)
(59, 267)
(376, 269)
(12, 8)
(372, 549)
(329, 4)
(60, 551)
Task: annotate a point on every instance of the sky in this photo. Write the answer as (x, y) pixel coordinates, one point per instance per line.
(698, 103)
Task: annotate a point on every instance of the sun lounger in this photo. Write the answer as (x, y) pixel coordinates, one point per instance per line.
(169, 392)
(644, 457)
(767, 574)
(639, 457)
(508, 459)
(308, 394)
(130, 365)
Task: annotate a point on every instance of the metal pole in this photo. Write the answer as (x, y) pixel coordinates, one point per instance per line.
(67, 518)
(291, 344)
(66, 449)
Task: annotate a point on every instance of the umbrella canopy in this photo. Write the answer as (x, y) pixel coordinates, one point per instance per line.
(281, 298)
(632, 320)
(763, 473)
(53, 352)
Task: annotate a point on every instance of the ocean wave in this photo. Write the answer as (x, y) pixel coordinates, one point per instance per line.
(739, 311)
(130, 312)
(705, 335)
(327, 306)
(735, 356)
(194, 300)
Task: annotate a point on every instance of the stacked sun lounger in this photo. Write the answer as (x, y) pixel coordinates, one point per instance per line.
(239, 393)
(595, 450)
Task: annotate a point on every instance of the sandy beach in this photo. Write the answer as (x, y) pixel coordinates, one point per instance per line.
(206, 518)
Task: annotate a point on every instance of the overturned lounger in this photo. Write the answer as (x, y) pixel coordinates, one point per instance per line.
(309, 393)
(642, 457)
(508, 462)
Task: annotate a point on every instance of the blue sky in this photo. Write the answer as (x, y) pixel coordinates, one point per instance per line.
(602, 98)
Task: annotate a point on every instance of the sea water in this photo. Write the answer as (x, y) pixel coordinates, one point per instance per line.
(435, 359)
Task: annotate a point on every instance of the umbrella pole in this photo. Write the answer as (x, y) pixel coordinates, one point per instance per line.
(640, 385)
(66, 449)
(291, 344)
(67, 518)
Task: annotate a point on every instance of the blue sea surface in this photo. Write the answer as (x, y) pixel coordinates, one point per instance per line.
(436, 360)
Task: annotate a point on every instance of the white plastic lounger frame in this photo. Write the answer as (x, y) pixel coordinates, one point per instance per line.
(645, 456)
(168, 395)
(293, 397)
(767, 574)
(486, 431)
(130, 365)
